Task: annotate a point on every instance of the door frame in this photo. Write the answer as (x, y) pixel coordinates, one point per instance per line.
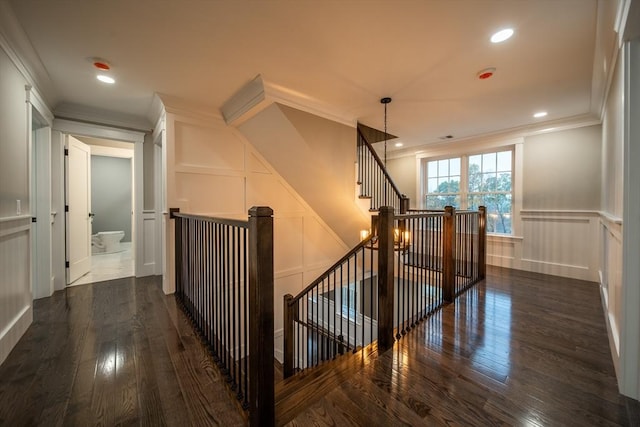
(78, 216)
(70, 127)
(41, 272)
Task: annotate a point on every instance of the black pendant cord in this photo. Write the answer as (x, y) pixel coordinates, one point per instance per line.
(385, 101)
(385, 135)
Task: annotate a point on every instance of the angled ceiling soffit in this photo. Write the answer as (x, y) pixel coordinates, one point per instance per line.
(258, 94)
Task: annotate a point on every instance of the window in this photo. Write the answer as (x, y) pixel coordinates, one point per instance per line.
(469, 181)
(349, 301)
(443, 183)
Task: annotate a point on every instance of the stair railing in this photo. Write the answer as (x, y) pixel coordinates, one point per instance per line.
(334, 314)
(374, 180)
(411, 266)
(224, 283)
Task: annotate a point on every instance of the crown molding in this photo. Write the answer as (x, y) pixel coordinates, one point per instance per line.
(97, 130)
(37, 102)
(81, 113)
(16, 44)
(258, 94)
(302, 102)
(174, 105)
(512, 134)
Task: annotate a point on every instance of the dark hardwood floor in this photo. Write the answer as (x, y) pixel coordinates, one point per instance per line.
(112, 353)
(520, 349)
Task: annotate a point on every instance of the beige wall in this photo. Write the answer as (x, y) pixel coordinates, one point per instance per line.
(213, 170)
(316, 157)
(403, 173)
(561, 170)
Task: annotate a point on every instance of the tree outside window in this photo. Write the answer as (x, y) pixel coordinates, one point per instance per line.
(487, 182)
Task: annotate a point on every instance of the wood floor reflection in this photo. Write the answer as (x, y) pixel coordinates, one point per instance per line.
(521, 349)
(112, 353)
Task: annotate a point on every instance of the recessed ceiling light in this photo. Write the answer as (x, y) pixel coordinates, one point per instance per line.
(540, 114)
(502, 35)
(399, 144)
(105, 79)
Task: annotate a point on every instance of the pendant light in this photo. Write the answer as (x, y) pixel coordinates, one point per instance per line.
(385, 101)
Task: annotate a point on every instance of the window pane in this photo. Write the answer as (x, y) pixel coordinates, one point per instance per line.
(489, 182)
(475, 179)
(443, 185)
(454, 184)
(443, 167)
(498, 213)
(504, 161)
(504, 182)
(432, 169)
(474, 201)
(432, 185)
(475, 161)
(454, 166)
(489, 162)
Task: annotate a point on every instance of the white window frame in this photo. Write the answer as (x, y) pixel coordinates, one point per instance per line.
(466, 149)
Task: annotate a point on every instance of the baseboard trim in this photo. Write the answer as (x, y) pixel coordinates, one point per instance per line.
(11, 334)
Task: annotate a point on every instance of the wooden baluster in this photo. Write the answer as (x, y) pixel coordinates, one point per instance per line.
(288, 344)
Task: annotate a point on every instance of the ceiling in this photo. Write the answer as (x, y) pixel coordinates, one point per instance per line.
(344, 55)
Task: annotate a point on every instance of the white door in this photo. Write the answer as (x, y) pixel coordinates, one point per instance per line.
(79, 203)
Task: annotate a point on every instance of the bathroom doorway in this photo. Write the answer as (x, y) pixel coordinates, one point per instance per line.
(110, 193)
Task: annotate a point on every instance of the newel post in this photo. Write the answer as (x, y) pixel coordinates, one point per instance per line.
(404, 204)
(289, 317)
(449, 250)
(385, 278)
(178, 248)
(261, 376)
(482, 242)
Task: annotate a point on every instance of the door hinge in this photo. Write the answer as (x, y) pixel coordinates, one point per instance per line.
(66, 151)
(66, 264)
(34, 219)
(66, 208)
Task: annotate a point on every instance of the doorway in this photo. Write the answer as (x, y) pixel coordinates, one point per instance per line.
(101, 197)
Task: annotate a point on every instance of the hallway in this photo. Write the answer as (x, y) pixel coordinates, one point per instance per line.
(522, 349)
(112, 353)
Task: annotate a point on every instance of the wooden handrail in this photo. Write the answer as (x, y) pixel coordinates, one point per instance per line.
(383, 169)
(337, 264)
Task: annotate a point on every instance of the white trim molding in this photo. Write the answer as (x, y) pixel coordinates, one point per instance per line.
(557, 242)
(258, 94)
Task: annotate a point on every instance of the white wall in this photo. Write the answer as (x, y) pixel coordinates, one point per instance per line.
(612, 208)
(15, 288)
(316, 156)
(556, 204)
(562, 170)
(211, 169)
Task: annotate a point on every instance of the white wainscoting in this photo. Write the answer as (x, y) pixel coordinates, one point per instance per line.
(560, 243)
(147, 240)
(16, 312)
(610, 229)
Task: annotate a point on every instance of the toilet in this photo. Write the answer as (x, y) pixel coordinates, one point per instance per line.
(106, 241)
